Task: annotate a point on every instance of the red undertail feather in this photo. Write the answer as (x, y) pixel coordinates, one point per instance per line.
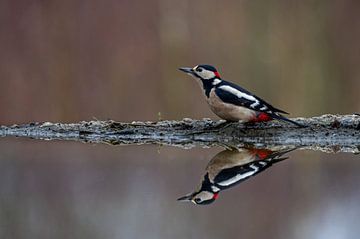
(262, 117)
(261, 153)
(216, 195)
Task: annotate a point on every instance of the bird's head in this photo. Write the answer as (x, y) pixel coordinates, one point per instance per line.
(200, 198)
(203, 72)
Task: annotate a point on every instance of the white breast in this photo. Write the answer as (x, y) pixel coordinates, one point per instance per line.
(229, 111)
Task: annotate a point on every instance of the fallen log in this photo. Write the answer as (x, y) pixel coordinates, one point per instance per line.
(328, 133)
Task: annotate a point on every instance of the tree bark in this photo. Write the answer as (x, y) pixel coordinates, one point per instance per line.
(329, 133)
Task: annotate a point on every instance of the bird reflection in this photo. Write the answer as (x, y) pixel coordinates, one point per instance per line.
(231, 167)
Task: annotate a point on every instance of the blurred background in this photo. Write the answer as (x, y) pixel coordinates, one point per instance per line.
(66, 61)
(73, 190)
(75, 60)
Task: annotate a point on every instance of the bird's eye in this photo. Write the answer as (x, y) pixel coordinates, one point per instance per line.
(197, 200)
(199, 69)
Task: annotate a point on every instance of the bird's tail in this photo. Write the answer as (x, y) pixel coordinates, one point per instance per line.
(283, 118)
(277, 156)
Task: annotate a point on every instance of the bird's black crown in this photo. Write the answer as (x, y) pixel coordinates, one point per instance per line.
(208, 67)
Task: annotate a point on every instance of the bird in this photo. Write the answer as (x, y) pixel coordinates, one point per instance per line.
(230, 101)
(231, 167)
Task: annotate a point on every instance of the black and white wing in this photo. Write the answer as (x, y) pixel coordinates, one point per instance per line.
(234, 94)
(232, 176)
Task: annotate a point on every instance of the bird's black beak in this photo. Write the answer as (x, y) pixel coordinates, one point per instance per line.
(187, 70)
(186, 198)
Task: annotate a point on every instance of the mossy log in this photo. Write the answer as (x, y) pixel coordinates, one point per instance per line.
(329, 133)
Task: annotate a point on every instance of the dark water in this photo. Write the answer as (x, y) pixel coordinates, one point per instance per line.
(74, 190)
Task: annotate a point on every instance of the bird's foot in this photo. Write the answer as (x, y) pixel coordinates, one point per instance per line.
(224, 124)
(221, 126)
(251, 124)
(218, 126)
(227, 124)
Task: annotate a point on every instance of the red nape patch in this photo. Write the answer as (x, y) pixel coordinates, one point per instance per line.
(216, 195)
(217, 74)
(261, 153)
(262, 117)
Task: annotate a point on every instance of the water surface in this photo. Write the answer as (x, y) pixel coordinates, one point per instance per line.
(74, 190)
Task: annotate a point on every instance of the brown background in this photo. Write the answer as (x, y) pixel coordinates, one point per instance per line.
(75, 60)
(78, 60)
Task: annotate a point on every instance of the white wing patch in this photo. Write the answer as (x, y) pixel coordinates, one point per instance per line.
(254, 167)
(240, 94)
(238, 177)
(262, 163)
(215, 189)
(216, 82)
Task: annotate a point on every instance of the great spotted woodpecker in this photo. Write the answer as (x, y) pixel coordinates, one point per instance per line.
(232, 102)
(230, 167)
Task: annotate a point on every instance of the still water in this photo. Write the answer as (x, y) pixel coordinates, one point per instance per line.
(74, 190)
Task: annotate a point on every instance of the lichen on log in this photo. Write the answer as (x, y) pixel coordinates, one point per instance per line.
(329, 133)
